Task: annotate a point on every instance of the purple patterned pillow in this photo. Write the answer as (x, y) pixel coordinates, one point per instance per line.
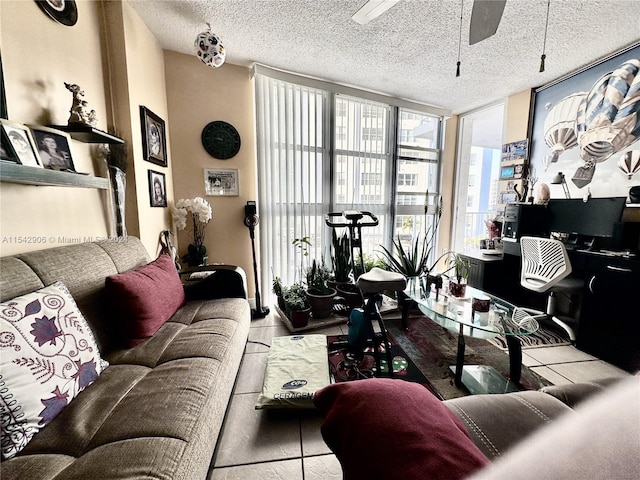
(47, 356)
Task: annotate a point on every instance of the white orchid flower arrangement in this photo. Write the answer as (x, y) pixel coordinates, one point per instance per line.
(200, 212)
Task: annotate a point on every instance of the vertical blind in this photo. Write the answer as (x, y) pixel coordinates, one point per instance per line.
(293, 166)
(320, 151)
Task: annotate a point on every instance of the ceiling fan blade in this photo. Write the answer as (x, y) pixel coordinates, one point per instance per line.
(485, 18)
(372, 10)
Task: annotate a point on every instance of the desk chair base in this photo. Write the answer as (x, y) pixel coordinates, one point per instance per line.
(541, 316)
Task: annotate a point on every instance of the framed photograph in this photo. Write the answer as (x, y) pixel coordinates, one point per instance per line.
(517, 171)
(507, 172)
(54, 148)
(154, 143)
(508, 197)
(6, 152)
(157, 189)
(221, 181)
(21, 143)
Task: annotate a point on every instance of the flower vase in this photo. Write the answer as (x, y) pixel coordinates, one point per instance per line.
(196, 256)
(119, 183)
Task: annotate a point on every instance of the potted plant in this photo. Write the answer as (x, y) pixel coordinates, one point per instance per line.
(461, 268)
(200, 212)
(319, 293)
(413, 260)
(278, 289)
(296, 306)
(340, 257)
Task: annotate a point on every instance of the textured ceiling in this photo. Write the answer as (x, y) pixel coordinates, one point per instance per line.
(409, 52)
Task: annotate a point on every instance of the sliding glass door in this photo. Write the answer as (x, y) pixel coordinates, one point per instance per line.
(477, 175)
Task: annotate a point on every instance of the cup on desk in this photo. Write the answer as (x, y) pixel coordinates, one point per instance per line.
(480, 310)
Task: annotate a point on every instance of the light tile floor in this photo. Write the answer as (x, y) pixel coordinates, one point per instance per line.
(266, 445)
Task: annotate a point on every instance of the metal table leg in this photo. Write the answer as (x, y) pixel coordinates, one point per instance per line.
(460, 357)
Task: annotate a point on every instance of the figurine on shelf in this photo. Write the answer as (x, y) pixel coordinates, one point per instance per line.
(79, 112)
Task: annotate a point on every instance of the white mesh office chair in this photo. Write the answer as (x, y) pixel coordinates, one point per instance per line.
(546, 268)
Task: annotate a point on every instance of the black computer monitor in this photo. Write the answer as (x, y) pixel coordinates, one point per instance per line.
(586, 221)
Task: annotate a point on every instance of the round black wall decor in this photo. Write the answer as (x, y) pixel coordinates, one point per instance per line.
(62, 11)
(221, 140)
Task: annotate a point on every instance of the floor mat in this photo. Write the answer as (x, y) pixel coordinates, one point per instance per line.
(344, 366)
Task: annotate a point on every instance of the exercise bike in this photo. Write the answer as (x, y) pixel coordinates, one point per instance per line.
(371, 285)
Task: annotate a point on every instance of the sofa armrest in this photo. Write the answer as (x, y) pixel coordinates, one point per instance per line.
(574, 393)
(225, 281)
(498, 422)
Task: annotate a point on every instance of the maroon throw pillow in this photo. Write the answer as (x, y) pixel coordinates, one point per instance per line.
(393, 429)
(144, 298)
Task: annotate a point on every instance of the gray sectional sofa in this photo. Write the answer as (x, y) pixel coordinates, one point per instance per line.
(156, 411)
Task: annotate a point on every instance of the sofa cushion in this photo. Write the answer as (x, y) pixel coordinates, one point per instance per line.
(384, 428)
(49, 355)
(145, 298)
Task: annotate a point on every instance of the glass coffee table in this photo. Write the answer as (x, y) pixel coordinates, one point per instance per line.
(464, 316)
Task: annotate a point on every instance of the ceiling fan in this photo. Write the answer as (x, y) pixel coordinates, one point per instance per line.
(485, 16)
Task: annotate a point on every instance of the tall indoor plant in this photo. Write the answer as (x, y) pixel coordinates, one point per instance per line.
(194, 214)
(319, 293)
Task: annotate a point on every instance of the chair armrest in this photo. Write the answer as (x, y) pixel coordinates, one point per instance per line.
(574, 393)
(225, 281)
(496, 423)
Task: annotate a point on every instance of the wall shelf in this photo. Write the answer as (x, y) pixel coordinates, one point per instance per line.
(15, 173)
(88, 134)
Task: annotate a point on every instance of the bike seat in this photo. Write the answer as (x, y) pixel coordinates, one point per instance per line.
(378, 280)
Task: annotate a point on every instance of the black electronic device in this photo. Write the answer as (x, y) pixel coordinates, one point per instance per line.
(251, 221)
(522, 219)
(586, 223)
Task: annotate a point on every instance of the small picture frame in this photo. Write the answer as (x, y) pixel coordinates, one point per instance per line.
(507, 172)
(6, 152)
(19, 142)
(54, 148)
(221, 181)
(508, 197)
(157, 189)
(154, 140)
(518, 169)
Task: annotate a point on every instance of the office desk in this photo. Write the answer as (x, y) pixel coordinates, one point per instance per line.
(608, 312)
(609, 326)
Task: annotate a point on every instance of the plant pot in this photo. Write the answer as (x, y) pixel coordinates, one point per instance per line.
(457, 289)
(351, 294)
(321, 304)
(299, 318)
(281, 304)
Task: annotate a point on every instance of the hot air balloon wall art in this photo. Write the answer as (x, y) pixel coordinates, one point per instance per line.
(560, 127)
(629, 163)
(608, 118)
(605, 99)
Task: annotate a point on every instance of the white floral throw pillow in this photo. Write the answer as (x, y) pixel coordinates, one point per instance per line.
(47, 356)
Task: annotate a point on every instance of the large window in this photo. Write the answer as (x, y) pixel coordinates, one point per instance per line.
(478, 170)
(418, 175)
(322, 151)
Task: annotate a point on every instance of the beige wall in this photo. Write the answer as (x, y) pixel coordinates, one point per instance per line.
(516, 124)
(197, 95)
(118, 63)
(38, 56)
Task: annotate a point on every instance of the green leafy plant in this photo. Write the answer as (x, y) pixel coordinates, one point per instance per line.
(340, 257)
(414, 259)
(461, 266)
(277, 286)
(295, 297)
(318, 276)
